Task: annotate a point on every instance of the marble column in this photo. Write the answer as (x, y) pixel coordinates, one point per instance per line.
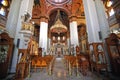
(102, 20)
(12, 19)
(92, 21)
(97, 25)
(17, 9)
(73, 34)
(43, 37)
(104, 26)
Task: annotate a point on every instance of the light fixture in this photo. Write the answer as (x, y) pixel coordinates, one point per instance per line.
(58, 38)
(58, 27)
(2, 11)
(4, 2)
(111, 12)
(63, 37)
(109, 3)
(53, 37)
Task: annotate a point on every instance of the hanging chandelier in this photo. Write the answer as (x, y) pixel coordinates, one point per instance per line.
(58, 27)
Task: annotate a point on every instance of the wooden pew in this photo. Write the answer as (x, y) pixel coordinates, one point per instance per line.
(41, 62)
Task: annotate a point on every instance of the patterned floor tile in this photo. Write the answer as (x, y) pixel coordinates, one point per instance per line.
(60, 73)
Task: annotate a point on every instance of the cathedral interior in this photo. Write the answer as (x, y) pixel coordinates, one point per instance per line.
(59, 39)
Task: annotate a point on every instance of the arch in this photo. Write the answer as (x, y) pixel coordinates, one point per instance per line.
(55, 8)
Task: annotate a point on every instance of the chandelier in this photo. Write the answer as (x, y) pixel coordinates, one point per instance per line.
(58, 27)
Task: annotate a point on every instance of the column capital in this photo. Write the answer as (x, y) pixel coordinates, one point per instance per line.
(44, 19)
(72, 18)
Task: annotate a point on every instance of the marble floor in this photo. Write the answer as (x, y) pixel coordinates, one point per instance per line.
(61, 73)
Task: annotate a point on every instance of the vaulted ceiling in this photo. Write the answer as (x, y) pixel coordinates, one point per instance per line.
(48, 9)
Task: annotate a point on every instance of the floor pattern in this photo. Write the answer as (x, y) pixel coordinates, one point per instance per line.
(60, 73)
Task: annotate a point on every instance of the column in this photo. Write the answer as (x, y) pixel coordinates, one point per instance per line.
(97, 25)
(13, 17)
(73, 34)
(103, 23)
(17, 10)
(92, 21)
(104, 26)
(43, 35)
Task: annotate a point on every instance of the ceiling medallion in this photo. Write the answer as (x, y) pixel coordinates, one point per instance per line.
(57, 2)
